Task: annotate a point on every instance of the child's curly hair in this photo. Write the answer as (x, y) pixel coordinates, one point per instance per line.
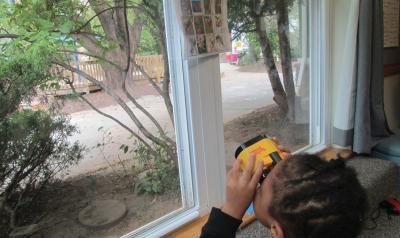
(316, 198)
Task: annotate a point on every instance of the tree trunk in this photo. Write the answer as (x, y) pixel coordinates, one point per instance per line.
(114, 76)
(286, 56)
(277, 88)
(155, 13)
(166, 81)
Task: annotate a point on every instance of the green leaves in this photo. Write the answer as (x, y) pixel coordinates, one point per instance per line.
(66, 27)
(241, 13)
(161, 176)
(149, 45)
(44, 24)
(124, 148)
(20, 74)
(39, 22)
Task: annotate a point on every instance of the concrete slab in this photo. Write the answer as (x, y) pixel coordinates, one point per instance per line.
(102, 214)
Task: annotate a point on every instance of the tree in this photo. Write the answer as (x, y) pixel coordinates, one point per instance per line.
(249, 17)
(110, 31)
(153, 14)
(252, 40)
(34, 145)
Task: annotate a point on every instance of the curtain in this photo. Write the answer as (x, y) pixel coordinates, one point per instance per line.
(365, 118)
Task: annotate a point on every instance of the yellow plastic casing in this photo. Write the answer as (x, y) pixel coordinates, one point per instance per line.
(262, 148)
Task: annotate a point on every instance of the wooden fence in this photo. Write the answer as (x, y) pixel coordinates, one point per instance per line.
(153, 65)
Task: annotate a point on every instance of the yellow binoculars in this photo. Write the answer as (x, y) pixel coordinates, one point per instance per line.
(264, 148)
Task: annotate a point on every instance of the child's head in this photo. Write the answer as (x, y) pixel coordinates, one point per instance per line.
(305, 196)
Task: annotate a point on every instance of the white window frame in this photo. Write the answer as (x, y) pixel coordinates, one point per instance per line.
(197, 101)
(320, 90)
(183, 130)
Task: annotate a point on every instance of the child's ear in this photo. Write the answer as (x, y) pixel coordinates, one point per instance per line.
(276, 230)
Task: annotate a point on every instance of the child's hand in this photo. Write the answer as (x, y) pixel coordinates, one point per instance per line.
(285, 151)
(241, 188)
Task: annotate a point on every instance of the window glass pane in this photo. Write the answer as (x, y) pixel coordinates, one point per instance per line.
(265, 79)
(87, 128)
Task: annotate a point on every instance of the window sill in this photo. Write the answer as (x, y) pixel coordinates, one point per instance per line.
(193, 229)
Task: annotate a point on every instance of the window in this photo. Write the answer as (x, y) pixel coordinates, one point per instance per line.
(136, 156)
(104, 111)
(268, 86)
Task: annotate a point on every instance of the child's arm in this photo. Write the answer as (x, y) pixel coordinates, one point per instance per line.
(240, 191)
(220, 225)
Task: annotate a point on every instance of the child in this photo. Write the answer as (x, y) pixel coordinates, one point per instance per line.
(302, 197)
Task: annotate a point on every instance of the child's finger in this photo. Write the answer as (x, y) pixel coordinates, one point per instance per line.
(257, 175)
(280, 147)
(248, 172)
(284, 149)
(286, 155)
(235, 171)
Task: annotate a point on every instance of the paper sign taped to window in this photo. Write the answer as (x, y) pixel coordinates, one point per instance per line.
(205, 25)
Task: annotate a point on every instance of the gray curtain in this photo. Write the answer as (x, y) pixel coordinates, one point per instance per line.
(369, 118)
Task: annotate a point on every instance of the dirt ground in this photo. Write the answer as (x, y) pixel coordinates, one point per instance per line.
(64, 200)
(255, 68)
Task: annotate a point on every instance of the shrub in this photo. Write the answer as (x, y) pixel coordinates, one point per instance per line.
(159, 174)
(19, 78)
(34, 145)
(246, 58)
(252, 54)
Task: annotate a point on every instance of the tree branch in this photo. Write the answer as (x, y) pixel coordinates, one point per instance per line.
(119, 100)
(88, 42)
(110, 117)
(133, 100)
(8, 36)
(124, 19)
(99, 13)
(105, 16)
(94, 56)
(148, 78)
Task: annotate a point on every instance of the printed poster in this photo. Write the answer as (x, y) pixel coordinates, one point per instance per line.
(205, 25)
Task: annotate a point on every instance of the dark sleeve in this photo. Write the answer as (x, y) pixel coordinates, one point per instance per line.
(220, 225)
